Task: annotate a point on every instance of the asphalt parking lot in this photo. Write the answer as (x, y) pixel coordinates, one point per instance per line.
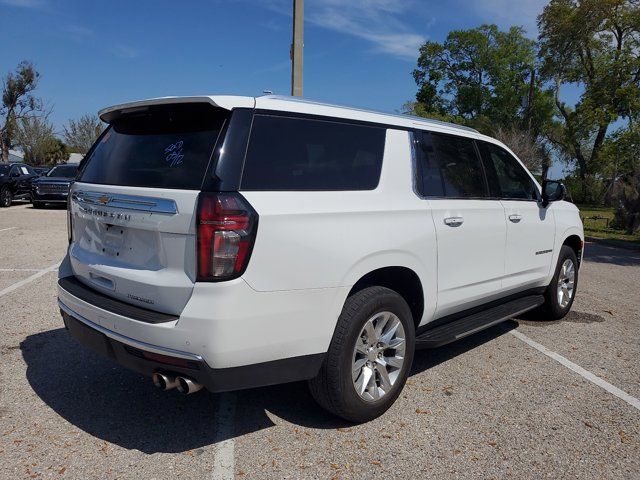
(526, 399)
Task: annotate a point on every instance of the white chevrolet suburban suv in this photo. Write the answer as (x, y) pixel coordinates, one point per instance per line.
(232, 242)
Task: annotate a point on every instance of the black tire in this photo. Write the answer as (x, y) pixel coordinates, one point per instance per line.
(551, 309)
(6, 197)
(333, 388)
(37, 204)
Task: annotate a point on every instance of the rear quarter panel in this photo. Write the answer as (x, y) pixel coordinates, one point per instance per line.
(310, 240)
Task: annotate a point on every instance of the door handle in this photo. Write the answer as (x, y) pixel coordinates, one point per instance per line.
(454, 221)
(515, 218)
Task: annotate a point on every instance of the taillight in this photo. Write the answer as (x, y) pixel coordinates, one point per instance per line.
(227, 227)
(69, 219)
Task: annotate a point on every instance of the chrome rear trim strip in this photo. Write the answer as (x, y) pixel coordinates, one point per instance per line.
(127, 340)
(126, 202)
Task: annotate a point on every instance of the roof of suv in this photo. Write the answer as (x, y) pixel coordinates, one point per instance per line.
(291, 104)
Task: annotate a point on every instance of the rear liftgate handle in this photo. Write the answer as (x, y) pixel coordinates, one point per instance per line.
(454, 221)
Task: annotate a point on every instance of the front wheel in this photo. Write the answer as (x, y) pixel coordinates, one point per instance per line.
(561, 291)
(6, 197)
(369, 357)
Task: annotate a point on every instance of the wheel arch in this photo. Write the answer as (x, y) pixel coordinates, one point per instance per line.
(400, 279)
(576, 244)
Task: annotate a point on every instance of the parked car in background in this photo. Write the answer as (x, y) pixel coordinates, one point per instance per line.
(41, 170)
(15, 182)
(54, 186)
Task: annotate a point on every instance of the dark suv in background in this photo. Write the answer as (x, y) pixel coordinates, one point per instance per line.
(54, 186)
(15, 182)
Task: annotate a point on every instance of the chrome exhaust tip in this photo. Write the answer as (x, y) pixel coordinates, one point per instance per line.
(187, 386)
(163, 381)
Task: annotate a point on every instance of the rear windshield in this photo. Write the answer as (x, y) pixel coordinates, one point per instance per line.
(167, 146)
(288, 153)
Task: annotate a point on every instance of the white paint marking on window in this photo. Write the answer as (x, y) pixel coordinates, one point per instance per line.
(634, 402)
(29, 279)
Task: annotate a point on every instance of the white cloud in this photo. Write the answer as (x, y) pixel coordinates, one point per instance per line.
(376, 21)
(24, 3)
(124, 51)
(78, 33)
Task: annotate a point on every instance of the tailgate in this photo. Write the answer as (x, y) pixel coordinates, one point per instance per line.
(137, 245)
(132, 208)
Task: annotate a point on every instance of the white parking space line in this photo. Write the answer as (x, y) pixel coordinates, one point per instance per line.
(29, 279)
(20, 269)
(5, 229)
(634, 402)
(224, 464)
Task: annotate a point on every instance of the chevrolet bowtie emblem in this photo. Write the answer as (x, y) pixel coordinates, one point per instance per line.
(103, 200)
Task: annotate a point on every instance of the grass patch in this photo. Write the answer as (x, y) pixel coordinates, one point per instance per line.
(597, 223)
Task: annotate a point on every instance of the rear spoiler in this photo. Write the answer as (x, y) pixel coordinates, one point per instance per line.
(228, 102)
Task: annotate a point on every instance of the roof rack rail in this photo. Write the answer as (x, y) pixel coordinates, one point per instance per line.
(364, 110)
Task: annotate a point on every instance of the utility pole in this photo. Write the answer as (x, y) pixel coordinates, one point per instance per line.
(296, 48)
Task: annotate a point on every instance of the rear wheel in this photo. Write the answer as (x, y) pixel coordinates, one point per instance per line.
(561, 291)
(369, 358)
(6, 197)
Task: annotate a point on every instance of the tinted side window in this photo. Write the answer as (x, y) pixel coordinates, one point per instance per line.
(302, 154)
(507, 178)
(462, 174)
(429, 182)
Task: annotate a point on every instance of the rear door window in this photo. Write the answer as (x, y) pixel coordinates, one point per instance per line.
(450, 167)
(165, 146)
(507, 178)
(286, 153)
(429, 181)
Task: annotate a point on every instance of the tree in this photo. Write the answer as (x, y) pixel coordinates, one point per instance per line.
(17, 103)
(524, 145)
(57, 153)
(624, 147)
(595, 44)
(35, 136)
(80, 134)
(485, 77)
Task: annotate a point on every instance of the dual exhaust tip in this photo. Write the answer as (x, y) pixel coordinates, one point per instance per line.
(184, 385)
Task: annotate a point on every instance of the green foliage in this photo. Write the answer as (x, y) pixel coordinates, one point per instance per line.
(40, 146)
(80, 134)
(17, 103)
(600, 222)
(57, 153)
(35, 136)
(588, 190)
(484, 76)
(595, 44)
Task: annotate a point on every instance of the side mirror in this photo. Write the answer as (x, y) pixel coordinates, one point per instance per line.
(15, 174)
(552, 191)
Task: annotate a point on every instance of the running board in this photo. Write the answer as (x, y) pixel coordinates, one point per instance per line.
(465, 326)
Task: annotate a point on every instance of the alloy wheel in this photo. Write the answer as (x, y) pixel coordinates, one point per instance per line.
(378, 356)
(566, 283)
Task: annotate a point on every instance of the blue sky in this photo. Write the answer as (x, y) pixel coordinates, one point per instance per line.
(357, 52)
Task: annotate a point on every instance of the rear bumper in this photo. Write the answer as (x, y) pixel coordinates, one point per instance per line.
(147, 359)
(251, 337)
